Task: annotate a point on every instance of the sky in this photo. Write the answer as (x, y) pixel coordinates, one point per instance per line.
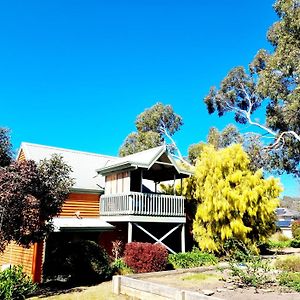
(75, 74)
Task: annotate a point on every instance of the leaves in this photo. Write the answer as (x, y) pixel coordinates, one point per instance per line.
(31, 196)
(5, 148)
(233, 201)
(153, 126)
(272, 80)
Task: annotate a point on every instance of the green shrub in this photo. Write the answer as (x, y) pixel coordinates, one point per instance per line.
(145, 257)
(15, 284)
(251, 270)
(289, 263)
(279, 244)
(80, 262)
(193, 259)
(279, 240)
(290, 279)
(295, 243)
(119, 267)
(295, 231)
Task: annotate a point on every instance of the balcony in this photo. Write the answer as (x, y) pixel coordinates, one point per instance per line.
(134, 204)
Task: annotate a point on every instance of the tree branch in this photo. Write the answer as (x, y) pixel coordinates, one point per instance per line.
(166, 133)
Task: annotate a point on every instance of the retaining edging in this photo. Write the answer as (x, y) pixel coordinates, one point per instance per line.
(134, 286)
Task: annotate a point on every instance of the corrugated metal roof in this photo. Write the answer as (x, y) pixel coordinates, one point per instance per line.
(83, 164)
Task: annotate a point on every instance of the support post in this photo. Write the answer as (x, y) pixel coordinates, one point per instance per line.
(141, 188)
(174, 187)
(129, 240)
(180, 186)
(183, 238)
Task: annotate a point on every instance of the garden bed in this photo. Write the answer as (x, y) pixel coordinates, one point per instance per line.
(218, 281)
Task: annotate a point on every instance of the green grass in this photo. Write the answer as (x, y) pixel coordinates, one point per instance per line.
(101, 291)
(202, 277)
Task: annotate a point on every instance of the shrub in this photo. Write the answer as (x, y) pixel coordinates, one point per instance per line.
(295, 243)
(83, 262)
(251, 271)
(15, 284)
(193, 259)
(145, 257)
(279, 244)
(295, 231)
(289, 263)
(119, 267)
(290, 279)
(279, 237)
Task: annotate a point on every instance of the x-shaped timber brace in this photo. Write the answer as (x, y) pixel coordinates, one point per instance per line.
(162, 238)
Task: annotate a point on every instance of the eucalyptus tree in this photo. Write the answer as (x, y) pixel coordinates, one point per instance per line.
(271, 82)
(155, 126)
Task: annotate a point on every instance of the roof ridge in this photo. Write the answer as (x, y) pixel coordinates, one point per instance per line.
(67, 150)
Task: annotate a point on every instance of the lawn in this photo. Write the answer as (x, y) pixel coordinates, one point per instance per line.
(101, 291)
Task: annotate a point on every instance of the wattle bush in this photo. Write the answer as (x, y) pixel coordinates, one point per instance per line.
(145, 257)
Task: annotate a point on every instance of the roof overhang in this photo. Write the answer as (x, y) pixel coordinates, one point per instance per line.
(81, 225)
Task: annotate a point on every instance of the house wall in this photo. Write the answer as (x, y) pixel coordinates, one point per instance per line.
(117, 183)
(32, 258)
(86, 204)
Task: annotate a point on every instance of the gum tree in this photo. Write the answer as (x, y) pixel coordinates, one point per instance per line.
(272, 82)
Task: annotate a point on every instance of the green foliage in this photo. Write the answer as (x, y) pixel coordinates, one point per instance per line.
(154, 117)
(290, 279)
(15, 284)
(193, 259)
(82, 262)
(119, 267)
(295, 243)
(279, 244)
(290, 263)
(272, 82)
(250, 270)
(201, 277)
(136, 142)
(31, 195)
(295, 229)
(5, 148)
(279, 240)
(233, 201)
(153, 126)
(194, 152)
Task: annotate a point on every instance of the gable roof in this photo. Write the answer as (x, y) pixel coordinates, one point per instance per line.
(83, 164)
(144, 159)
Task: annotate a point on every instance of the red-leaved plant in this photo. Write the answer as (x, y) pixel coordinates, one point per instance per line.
(145, 257)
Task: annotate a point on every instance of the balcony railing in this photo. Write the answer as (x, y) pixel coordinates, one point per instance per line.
(134, 203)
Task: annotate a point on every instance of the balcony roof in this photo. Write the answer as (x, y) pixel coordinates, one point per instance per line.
(158, 165)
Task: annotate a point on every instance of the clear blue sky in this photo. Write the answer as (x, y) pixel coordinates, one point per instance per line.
(75, 74)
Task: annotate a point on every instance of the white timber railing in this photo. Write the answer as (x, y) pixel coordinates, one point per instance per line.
(134, 203)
